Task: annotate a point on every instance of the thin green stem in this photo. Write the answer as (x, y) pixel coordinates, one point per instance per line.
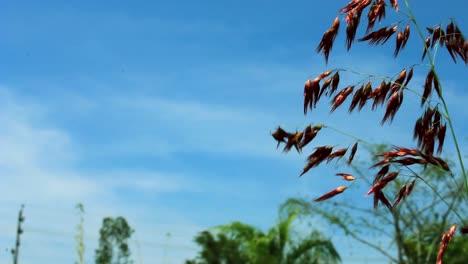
(346, 134)
(444, 104)
(436, 192)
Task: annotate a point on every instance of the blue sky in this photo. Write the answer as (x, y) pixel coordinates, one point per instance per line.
(161, 112)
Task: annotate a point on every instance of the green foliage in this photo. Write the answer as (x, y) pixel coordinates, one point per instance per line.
(429, 239)
(242, 243)
(113, 242)
(414, 227)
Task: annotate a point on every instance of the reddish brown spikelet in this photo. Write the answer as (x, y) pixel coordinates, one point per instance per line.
(346, 176)
(444, 165)
(352, 19)
(335, 82)
(353, 152)
(427, 86)
(464, 230)
(409, 188)
(456, 44)
(382, 162)
(311, 93)
(399, 43)
(446, 237)
(356, 98)
(406, 34)
(399, 80)
(429, 140)
(382, 172)
(319, 155)
(331, 194)
(377, 11)
(407, 151)
(293, 140)
(307, 167)
(280, 136)
(441, 137)
(437, 87)
(341, 97)
(410, 161)
(380, 93)
(400, 195)
(427, 44)
(393, 105)
(325, 85)
(309, 135)
(337, 154)
(326, 44)
(395, 4)
(325, 74)
(436, 36)
(350, 6)
(383, 199)
(367, 94)
(408, 79)
(380, 36)
(383, 182)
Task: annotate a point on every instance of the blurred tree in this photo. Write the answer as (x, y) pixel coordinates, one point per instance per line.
(414, 226)
(241, 243)
(113, 242)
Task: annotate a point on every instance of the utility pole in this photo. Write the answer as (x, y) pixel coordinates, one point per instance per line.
(19, 231)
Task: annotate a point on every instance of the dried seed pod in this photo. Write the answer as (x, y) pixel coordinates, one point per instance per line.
(331, 194)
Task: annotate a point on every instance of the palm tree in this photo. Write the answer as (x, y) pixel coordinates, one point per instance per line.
(280, 245)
